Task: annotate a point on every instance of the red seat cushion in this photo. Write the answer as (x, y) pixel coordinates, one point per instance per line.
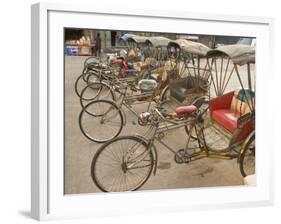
(185, 110)
(226, 118)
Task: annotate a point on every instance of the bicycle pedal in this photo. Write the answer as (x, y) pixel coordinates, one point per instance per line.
(182, 157)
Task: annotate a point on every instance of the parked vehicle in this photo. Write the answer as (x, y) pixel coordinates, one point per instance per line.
(150, 89)
(125, 163)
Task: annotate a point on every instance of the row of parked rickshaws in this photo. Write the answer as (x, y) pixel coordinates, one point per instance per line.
(181, 83)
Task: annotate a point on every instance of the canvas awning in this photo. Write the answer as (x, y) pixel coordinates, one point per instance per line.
(158, 41)
(190, 46)
(238, 53)
(126, 36)
(137, 39)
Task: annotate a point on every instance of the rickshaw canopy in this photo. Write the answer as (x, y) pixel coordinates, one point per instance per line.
(137, 39)
(158, 41)
(190, 46)
(238, 53)
(126, 36)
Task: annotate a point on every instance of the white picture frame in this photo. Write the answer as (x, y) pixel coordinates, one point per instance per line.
(48, 201)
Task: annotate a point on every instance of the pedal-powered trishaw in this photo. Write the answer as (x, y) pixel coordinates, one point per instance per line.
(121, 63)
(191, 65)
(156, 47)
(92, 69)
(97, 71)
(139, 58)
(99, 112)
(151, 69)
(102, 117)
(142, 56)
(125, 163)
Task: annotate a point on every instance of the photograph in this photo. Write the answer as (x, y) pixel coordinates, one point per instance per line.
(150, 111)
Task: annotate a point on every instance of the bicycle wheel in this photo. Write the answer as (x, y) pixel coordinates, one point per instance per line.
(167, 102)
(91, 60)
(123, 164)
(101, 120)
(247, 158)
(96, 91)
(93, 77)
(80, 84)
(165, 94)
(204, 119)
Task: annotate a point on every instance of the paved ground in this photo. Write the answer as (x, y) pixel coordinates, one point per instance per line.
(79, 151)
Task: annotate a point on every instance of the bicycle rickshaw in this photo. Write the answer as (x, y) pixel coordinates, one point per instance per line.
(156, 47)
(191, 64)
(97, 68)
(141, 55)
(125, 163)
(141, 70)
(149, 91)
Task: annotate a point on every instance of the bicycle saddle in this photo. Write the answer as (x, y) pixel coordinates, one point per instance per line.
(186, 110)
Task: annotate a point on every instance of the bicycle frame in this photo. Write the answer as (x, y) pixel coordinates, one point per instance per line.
(157, 133)
(129, 100)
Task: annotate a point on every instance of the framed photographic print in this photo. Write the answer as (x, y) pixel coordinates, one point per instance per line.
(148, 111)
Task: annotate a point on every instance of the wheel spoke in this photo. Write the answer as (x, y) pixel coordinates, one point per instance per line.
(101, 121)
(247, 160)
(110, 175)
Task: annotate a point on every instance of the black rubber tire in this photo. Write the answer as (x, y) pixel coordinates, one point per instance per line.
(106, 146)
(164, 94)
(80, 78)
(243, 156)
(198, 104)
(87, 61)
(112, 106)
(92, 74)
(193, 136)
(166, 102)
(84, 101)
